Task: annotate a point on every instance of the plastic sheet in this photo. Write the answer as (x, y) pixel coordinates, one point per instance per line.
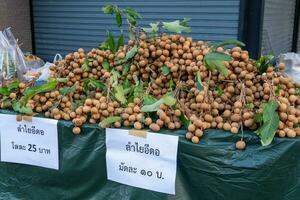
(211, 170)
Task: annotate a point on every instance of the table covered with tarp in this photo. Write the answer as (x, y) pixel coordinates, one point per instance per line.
(212, 169)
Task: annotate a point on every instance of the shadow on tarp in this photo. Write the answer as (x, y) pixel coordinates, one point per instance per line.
(211, 170)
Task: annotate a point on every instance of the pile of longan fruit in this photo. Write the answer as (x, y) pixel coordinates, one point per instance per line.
(170, 63)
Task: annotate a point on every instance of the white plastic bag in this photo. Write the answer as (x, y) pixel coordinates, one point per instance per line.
(292, 63)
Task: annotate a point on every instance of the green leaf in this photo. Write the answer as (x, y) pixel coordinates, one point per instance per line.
(166, 99)
(258, 117)
(4, 91)
(126, 68)
(131, 35)
(217, 65)
(138, 90)
(263, 63)
(169, 100)
(228, 42)
(109, 120)
(108, 9)
(119, 94)
(184, 120)
(298, 92)
(21, 109)
(6, 102)
(31, 91)
(270, 119)
(85, 66)
(176, 27)
(219, 91)
(152, 107)
(218, 56)
(184, 21)
(66, 90)
(133, 13)
(131, 20)
(59, 80)
(131, 53)
(13, 85)
(165, 70)
(171, 84)
(121, 41)
(154, 28)
(199, 82)
(249, 106)
(111, 42)
(105, 65)
(104, 45)
(119, 17)
(149, 99)
(91, 84)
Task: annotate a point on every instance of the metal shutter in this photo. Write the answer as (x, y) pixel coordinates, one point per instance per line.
(298, 49)
(278, 26)
(65, 25)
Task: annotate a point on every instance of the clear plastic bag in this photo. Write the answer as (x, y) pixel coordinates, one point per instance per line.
(12, 62)
(292, 63)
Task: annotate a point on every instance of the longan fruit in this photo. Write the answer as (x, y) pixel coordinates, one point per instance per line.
(208, 118)
(154, 127)
(281, 133)
(171, 125)
(148, 121)
(235, 117)
(191, 128)
(227, 113)
(76, 130)
(291, 133)
(240, 145)
(199, 133)
(297, 130)
(189, 135)
(19, 118)
(126, 123)
(234, 130)
(12, 95)
(160, 122)
(137, 125)
(117, 124)
(281, 66)
(177, 113)
(226, 126)
(195, 140)
(86, 109)
(22, 85)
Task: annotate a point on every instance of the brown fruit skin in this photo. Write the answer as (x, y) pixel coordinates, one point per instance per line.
(195, 140)
(297, 130)
(76, 130)
(137, 125)
(199, 133)
(189, 135)
(240, 145)
(191, 127)
(234, 130)
(154, 127)
(19, 118)
(226, 126)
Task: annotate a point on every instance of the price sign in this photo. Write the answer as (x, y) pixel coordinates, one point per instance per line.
(146, 161)
(32, 143)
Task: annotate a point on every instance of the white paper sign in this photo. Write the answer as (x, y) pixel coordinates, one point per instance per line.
(32, 143)
(148, 163)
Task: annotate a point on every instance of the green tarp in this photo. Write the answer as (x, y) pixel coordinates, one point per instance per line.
(212, 169)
